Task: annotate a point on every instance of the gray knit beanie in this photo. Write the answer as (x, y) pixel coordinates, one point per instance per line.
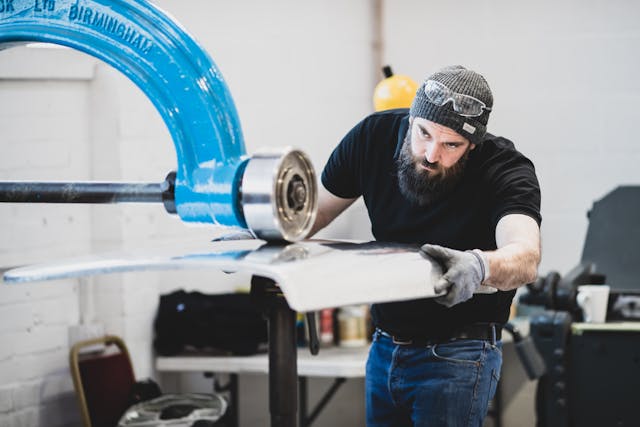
(462, 81)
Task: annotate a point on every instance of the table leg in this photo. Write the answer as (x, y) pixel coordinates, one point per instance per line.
(283, 369)
(233, 395)
(302, 410)
(283, 353)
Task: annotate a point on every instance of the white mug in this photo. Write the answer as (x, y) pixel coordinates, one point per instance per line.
(593, 300)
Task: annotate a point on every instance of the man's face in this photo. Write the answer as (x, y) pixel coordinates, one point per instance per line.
(432, 160)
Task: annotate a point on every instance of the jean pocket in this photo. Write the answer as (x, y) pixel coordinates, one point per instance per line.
(463, 351)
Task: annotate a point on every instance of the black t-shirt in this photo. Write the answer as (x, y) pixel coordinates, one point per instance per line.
(498, 180)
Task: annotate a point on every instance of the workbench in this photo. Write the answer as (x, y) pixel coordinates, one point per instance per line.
(333, 362)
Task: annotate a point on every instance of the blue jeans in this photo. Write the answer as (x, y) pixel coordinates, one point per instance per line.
(448, 385)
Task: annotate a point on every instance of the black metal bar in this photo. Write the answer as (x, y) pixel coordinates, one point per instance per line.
(80, 192)
(235, 406)
(302, 405)
(323, 402)
(314, 342)
(91, 192)
(283, 369)
(283, 353)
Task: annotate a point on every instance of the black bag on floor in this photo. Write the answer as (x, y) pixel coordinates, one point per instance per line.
(226, 322)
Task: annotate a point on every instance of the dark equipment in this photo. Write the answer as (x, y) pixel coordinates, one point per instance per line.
(593, 370)
(224, 323)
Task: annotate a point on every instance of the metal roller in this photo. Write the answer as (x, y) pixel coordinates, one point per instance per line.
(279, 194)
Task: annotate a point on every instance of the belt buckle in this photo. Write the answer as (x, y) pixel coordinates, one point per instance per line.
(400, 341)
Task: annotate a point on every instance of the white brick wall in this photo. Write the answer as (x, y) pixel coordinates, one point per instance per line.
(35, 381)
(44, 137)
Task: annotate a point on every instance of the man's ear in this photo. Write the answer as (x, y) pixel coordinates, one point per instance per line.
(472, 146)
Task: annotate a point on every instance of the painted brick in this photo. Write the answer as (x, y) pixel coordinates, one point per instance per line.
(9, 372)
(25, 418)
(62, 63)
(141, 299)
(62, 310)
(17, 317)
(6, 399)
(54, 386)
(115, 325)
(51, 289)
(140, 328)
(57, 405)
(11, 341)
(27, 394)
(61, 412)
(42, 338)
(109, 304)
(30, 242)
(13, 293)
(39, 365)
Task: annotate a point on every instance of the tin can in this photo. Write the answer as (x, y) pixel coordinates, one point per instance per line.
(352, 326)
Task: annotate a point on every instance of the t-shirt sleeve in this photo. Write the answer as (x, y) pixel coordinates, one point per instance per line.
(341, 174)
(515, 189)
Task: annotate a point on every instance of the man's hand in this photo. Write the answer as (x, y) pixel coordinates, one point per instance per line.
(464, 272)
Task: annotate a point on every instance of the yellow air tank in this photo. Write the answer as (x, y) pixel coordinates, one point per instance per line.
(394, 91)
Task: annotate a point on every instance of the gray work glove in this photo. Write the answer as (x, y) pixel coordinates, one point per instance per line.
(464, 272)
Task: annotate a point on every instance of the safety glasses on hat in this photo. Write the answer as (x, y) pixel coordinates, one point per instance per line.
(465, 105)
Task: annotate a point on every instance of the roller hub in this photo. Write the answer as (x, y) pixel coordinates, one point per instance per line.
(279, 195)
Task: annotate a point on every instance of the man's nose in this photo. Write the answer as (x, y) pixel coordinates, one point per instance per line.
(432, 153)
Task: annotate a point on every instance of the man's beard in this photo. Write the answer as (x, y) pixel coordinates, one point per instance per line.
(422, 186)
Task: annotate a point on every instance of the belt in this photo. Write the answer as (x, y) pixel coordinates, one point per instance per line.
(477, 331)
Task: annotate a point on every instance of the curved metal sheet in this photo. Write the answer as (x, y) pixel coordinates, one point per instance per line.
(170, 67)
(311, 274)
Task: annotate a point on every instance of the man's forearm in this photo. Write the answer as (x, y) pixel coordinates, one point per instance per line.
(512, 266)
(329, 207)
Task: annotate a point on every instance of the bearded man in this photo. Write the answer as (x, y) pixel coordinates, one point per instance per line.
(433, 176)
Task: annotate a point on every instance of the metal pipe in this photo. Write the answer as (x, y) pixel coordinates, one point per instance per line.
(80, 192)
(91, 192)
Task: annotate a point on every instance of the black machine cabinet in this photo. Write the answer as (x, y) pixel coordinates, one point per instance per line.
(613, 238)
(593, 370)
(604, 376)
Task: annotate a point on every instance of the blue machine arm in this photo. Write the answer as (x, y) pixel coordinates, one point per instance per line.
(174, 72)
(274, 194)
